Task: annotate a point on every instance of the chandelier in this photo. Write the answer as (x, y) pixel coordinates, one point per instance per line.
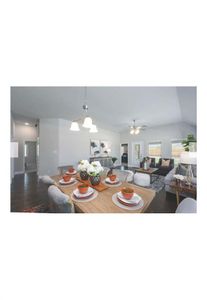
(87, 120)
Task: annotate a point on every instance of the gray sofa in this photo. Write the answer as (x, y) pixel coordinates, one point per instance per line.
(169, 177)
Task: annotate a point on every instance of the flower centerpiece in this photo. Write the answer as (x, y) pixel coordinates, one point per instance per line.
(82, 168)
(178, 178)
(94, 169)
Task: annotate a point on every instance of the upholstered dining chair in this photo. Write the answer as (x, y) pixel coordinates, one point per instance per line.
(188, 205)
(63, 169)
(47, 180)
(125, 175)
(59, 202)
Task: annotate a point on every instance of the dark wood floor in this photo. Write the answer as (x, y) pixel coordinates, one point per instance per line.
(27, 192)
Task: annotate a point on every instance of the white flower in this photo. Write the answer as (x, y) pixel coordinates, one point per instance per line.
(179, 177)
(94, 168)
(83, 164)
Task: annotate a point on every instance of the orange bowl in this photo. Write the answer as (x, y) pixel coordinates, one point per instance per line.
(71, 170)
(127, 193)
(83, 188)
(112, 177)
(66, 177)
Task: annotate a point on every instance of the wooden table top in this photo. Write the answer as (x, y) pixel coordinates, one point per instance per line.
(181, 187)
(148, 171)
(103, 202)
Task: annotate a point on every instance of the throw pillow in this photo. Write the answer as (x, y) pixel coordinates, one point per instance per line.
(165, 163)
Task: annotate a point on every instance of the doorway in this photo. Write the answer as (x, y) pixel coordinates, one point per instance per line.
(124, 154)
(137, 153)
(30, 156)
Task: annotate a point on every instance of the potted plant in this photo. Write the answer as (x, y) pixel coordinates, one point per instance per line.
(114, 159)
(188, 142)
(82, 168)
(94, 169)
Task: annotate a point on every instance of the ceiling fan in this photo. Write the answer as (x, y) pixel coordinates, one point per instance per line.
(134, 129)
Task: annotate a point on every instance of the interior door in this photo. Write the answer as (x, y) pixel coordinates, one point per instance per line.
(137, 153)
(30, 156)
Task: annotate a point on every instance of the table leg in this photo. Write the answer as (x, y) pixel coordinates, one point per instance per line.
(177, 197)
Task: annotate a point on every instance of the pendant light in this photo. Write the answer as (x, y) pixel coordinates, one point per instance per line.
(87, 122)
(74, 126)
(93, 129)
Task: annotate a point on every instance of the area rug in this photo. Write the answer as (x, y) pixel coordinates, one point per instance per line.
(36, 209)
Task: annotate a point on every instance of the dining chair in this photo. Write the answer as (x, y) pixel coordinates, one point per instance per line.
(58, 201)
(63, 169)
(47, 180)
(188, 205)
(124, 175)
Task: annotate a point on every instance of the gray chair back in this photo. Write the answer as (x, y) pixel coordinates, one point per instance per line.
(122, 175)
(188, 205)
(47, 180)
(58, 201)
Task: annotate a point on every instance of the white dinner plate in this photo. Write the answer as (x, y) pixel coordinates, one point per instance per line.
(134, 200)
(61, 181)
(79, 195)
(108, 180)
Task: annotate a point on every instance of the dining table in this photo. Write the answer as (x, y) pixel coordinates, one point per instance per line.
(103, 202)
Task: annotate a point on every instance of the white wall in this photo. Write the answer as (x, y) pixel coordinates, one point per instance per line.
(75, 146)
(60, 146)
(22, 133)
(48, 146)
(165, 134)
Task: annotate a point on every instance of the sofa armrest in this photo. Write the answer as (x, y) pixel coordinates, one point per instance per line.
(169, 176)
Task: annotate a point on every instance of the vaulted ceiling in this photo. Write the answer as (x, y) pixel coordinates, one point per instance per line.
(110, 107)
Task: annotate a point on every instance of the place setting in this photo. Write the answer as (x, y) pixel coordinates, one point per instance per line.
(84, 193)
(112, 181)
(67, 180)
(127, 199)
(71, 171)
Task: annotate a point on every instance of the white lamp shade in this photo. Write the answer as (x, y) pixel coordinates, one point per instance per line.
(87, 122)
(74, 126)
(14, 149)
(189, 158)
(132, 131)
(93, 129)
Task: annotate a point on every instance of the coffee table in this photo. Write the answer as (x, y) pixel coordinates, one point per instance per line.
(182, 187)
(149, 171)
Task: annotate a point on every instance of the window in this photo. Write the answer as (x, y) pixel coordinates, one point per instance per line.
(155, 150)
(177, 149)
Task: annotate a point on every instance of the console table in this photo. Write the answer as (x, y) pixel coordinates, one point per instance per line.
(181, 187)
(105, 161)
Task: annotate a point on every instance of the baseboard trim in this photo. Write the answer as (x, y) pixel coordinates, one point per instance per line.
(19, 172)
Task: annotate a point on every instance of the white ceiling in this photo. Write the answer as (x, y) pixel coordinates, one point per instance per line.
(110, 107)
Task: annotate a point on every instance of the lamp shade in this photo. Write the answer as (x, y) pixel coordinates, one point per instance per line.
(189, 158)
(74, 126)
(87, 122)
(93, 129)
(14, 150)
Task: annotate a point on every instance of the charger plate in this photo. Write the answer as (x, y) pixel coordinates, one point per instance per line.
(135, 207)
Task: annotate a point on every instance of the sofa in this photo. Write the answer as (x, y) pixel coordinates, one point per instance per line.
(152, 162)
(164, 170)
(161, 170)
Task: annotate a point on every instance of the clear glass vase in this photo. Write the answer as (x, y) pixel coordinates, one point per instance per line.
(189, 175)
